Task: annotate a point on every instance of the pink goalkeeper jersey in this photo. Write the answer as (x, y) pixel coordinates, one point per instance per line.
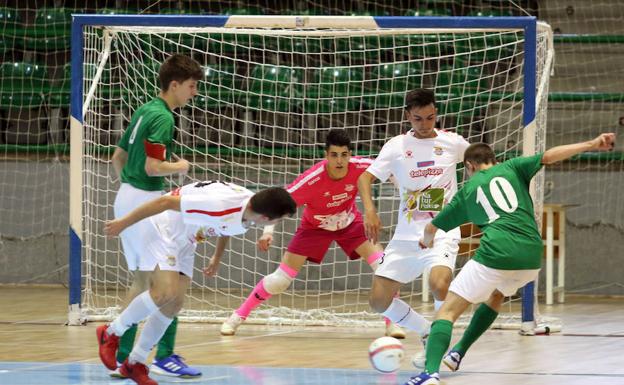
(330, 204)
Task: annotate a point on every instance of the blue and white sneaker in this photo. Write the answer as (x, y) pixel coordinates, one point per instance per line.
(452, 360)
(174, 366)
(424, 378)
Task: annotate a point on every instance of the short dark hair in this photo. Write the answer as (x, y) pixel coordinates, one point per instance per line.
(480, 153)
(420, 97)
(337, 137)
(273, 203)
(179, 68)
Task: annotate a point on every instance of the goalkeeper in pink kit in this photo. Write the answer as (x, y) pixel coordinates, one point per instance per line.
(328, 190)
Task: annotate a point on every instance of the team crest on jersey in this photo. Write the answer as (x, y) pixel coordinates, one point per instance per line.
(426, 163)
(171, 260)
(409, 154)
(438, 150)
(349, 187)
(326, 194)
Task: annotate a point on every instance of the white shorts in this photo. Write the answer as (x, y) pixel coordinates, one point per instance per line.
(167, 253)
(404, 261)
(476, 282)
(134, 246)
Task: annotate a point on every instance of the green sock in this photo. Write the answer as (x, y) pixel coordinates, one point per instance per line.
(167, 342)
(480, 322)
(126, 342)
(437, 344)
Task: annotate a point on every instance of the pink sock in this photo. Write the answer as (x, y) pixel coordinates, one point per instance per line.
(257, 296)
(374, 257)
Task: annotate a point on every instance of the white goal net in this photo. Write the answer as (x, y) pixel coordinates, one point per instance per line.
(269, 96)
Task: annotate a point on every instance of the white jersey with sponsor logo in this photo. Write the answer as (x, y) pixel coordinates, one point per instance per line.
(425, 171)
(207, 209)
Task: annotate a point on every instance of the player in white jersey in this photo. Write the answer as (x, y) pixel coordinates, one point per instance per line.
(177, 222)
(423, 163)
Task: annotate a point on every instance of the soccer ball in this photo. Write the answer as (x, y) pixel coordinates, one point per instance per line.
(386, 354)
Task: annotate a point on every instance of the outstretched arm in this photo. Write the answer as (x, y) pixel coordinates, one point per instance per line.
(604, 142)
(153, 207)
(213, 265)
(371, 219)
(265, 241)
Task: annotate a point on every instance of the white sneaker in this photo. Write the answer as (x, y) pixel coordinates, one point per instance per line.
(228, 328)
(394, 330)
(420, 358)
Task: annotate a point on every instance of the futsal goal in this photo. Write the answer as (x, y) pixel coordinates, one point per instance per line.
(273, 87)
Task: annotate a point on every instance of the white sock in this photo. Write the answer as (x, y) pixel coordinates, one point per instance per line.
(402, 314)
(437, 304)
(152, 332)
(139, 309)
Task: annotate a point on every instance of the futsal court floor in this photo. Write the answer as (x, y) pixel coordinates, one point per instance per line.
(36, 348)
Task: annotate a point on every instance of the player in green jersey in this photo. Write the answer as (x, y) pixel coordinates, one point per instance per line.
(142, 159)
(497, 199)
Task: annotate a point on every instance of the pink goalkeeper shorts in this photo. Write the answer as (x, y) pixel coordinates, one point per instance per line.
(314, 242)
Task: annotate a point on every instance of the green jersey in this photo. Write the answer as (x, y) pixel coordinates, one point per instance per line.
(498, 201)
(150, 133)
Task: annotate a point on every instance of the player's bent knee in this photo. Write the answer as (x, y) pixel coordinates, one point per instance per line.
(496, 298)
(379, 303)
(164, 297)
(277, 282)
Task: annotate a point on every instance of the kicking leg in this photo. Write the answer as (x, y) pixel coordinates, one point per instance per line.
(441, 330)
(481, 321)
(382, 300)
(272, 284)
(373, 254)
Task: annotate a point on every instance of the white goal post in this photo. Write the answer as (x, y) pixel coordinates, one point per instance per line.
(273, 87)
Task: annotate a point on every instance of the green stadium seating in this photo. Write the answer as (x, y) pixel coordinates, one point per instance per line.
(328, 82)
(51, 22)
(491, 12)
(117, 11)
(461, 81)
(461, 91)
(436, 11)
(10, 22)
(388, 84)
(306, 12)
(24, 77)
(366, 49)
(137, 83)
(242, 11)
(219, 87)
(274, 88)
(423, 46)
(49, 32)
(481, 48)
(330, 105)
(334, 89)
(170, 43)
(20, 100)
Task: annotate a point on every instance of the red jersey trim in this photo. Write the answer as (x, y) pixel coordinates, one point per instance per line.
(215, 213)
(155, 150)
